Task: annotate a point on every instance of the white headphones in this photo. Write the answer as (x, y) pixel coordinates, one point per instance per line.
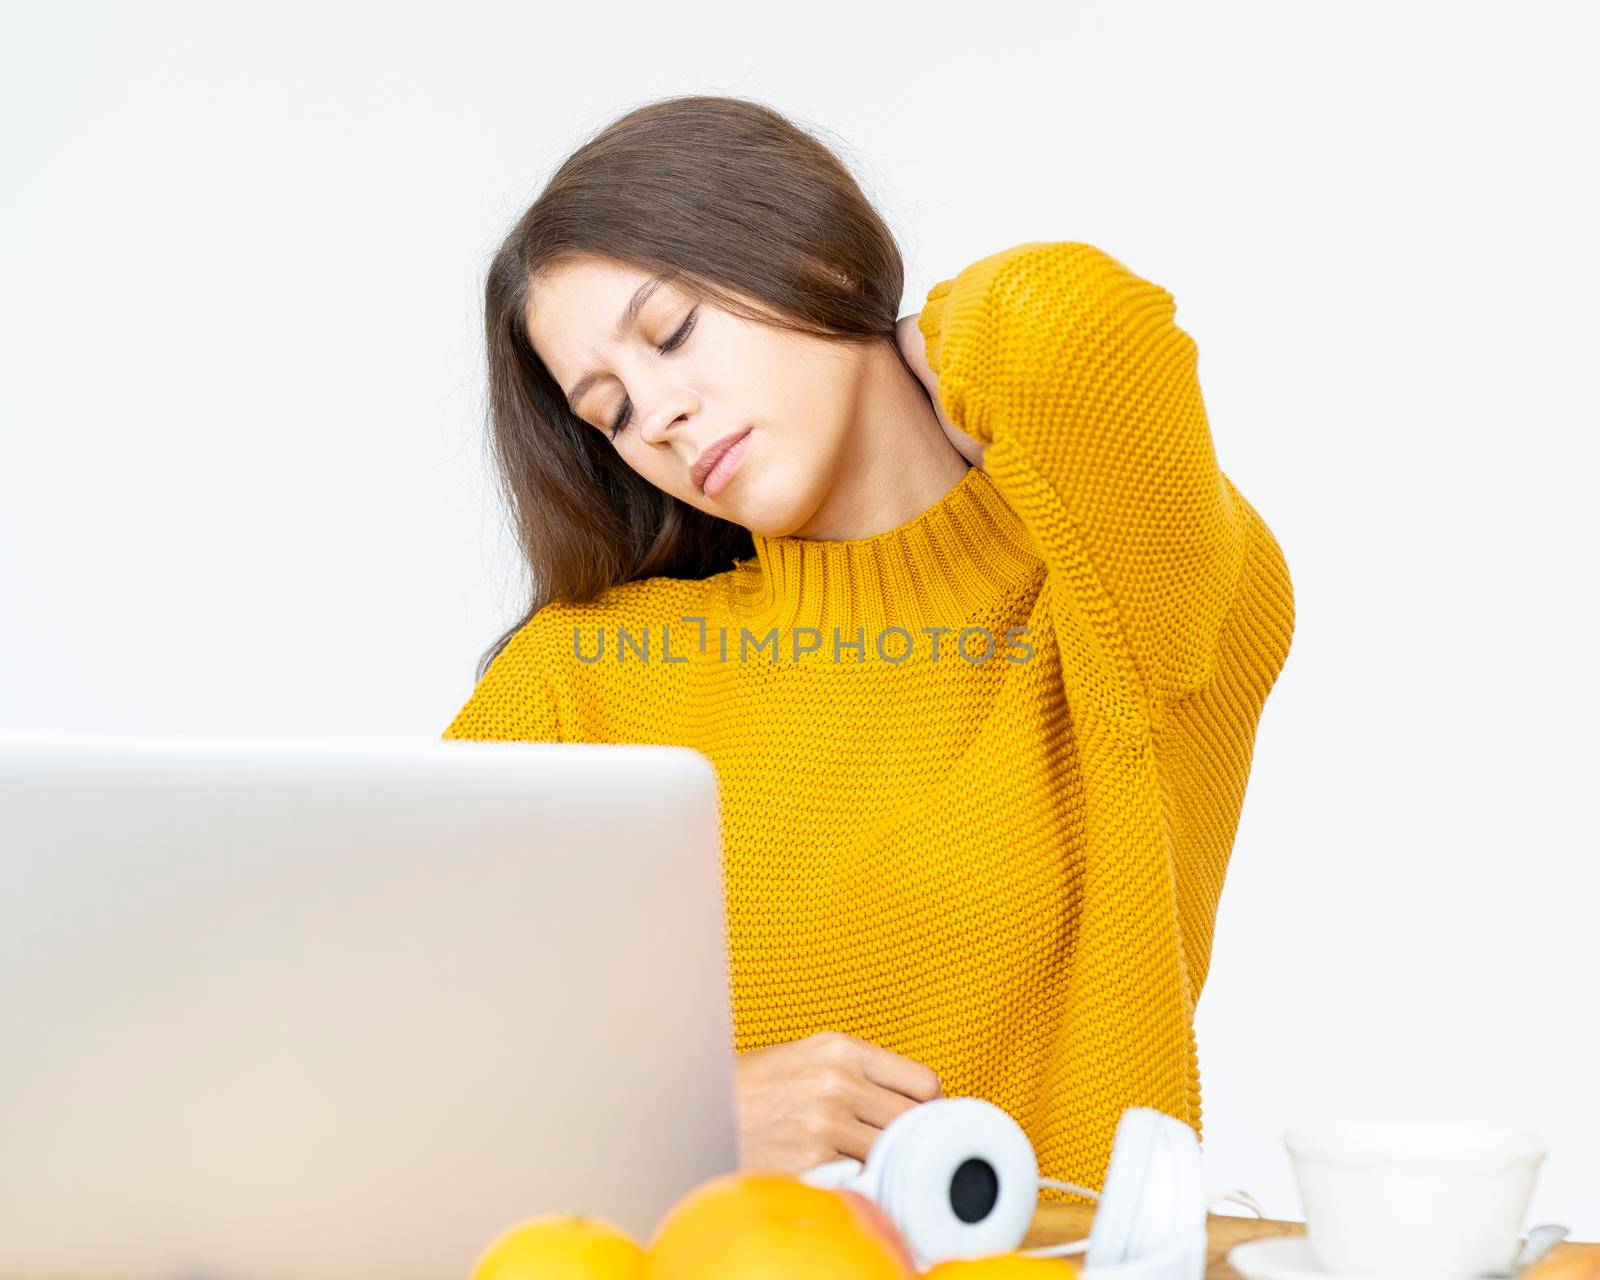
(959, 1178)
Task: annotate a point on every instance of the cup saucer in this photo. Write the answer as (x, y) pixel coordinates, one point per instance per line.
(1284, 1258)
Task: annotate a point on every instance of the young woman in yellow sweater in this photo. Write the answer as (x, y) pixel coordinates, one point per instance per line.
(982, 732)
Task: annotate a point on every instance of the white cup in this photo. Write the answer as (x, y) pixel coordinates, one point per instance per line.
(1413, 1200)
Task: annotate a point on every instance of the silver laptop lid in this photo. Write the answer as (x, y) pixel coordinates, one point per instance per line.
(300, 1010)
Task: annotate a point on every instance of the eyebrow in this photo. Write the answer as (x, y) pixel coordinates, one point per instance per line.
(629, 317)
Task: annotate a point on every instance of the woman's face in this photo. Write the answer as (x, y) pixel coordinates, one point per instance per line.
(684, 375)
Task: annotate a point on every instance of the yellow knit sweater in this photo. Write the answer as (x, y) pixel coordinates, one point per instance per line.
(1007, 869)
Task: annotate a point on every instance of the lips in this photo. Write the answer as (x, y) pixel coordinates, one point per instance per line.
(703, 464)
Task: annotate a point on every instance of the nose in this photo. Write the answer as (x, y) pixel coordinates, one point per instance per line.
(662, 426)
(665, 420)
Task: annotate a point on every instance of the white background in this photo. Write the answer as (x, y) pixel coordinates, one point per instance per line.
(244, 487)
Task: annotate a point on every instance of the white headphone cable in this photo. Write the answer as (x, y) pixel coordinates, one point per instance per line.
(1073, 1246)
(1238, 1196)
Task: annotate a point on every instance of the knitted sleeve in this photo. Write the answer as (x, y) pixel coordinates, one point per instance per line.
(1071, 369)
(514, 701)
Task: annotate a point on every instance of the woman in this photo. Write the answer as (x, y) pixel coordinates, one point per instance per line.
(960, 607)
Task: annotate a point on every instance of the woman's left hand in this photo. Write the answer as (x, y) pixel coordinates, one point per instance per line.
(908, 338)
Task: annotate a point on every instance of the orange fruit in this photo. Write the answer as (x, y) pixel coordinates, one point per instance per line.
(761, 1225)
(876, 1222)
(562, 1246)
(1003, 1266)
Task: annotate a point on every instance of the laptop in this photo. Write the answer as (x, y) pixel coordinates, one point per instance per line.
(282, 1010)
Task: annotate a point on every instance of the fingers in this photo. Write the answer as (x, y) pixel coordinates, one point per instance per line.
(903, 1075)
(893, 1070)
(908, 339)
(881, 1107)
(855, 1139)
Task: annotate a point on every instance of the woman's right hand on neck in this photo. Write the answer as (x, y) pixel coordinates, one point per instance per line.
(913, 348)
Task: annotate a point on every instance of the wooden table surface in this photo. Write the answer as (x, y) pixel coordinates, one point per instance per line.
(1057, 1223)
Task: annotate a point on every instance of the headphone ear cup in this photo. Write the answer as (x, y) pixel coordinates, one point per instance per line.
(1153, 1192)
(957, 1176)
(1111, 1231)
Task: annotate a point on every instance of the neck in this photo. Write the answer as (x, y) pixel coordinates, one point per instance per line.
(945, 564)
(896, 462)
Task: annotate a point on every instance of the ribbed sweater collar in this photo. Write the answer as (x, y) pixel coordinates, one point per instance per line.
(937, 569)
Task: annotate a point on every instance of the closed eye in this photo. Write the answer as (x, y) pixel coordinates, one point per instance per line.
(671, 344)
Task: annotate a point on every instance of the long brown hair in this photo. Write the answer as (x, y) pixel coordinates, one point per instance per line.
(722, 195)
